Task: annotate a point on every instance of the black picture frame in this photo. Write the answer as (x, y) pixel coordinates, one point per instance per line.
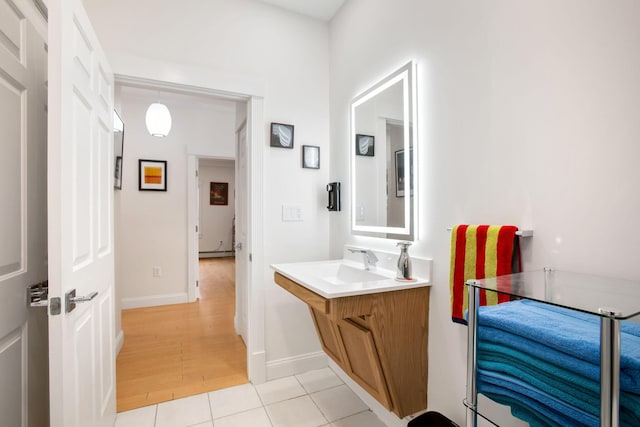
(281, 135)
(310, 157)
(219, 194)
(152, 175)
(365, 145)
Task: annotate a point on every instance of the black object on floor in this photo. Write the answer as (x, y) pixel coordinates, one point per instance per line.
(431, 419)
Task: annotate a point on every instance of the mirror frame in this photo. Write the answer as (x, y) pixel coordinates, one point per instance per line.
(406, 74)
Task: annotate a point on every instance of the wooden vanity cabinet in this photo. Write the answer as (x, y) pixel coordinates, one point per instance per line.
(379, 340)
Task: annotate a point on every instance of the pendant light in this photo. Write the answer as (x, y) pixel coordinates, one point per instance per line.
(158, 120)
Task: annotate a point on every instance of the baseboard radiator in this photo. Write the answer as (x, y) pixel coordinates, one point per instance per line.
(216, 254)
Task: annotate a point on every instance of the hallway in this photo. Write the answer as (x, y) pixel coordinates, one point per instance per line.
(180, 350)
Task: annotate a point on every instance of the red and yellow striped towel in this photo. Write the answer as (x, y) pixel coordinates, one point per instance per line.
(478, 252)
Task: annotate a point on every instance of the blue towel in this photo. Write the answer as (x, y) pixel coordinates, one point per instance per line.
(561, 337)
(564, 385)
(548, 410)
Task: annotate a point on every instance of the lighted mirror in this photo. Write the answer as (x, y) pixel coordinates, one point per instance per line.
(384, 158)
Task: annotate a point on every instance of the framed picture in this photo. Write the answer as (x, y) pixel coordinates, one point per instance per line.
(152, 175)
(281, 135)
(117, 182)
(310, 157)
(365, 145)
(400, 175)
(219, 193)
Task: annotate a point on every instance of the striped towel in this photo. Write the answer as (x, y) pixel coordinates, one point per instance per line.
(478, 252)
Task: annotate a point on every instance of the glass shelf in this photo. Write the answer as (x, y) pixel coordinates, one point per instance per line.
(590, 294)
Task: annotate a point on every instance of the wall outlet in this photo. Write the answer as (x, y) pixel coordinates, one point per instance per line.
(157, 271)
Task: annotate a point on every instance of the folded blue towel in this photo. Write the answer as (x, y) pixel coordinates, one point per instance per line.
(548, 410)
(561, 337)
(564, 385)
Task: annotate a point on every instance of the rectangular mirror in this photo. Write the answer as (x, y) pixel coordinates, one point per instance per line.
(118, 150)
(384, 158)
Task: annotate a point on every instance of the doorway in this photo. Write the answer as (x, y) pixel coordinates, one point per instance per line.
(167, 148)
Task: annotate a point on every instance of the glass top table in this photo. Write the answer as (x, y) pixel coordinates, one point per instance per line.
(612, 299)
(602, 296)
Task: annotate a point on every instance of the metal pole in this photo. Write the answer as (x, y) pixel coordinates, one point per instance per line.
(609, 368)
(471, 400)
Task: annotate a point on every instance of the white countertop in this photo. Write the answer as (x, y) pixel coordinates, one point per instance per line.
(341, 278)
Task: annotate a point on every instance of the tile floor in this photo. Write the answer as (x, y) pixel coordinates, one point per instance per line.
(313, 399)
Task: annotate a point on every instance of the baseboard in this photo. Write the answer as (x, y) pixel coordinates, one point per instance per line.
(154, 300)
(296, 365)
(257, 367)
(220, 254)
(388, 418)
(119, 342)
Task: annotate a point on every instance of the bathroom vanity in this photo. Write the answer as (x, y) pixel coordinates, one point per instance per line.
(373, 327)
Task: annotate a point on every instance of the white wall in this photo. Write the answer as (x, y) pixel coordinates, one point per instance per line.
(152, 225)
(216, 221)
(287, 56)
(528, 115)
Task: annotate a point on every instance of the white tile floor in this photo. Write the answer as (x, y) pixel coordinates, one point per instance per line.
(313, 399)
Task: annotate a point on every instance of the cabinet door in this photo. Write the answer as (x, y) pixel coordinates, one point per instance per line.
(361, 360)
(328, 336)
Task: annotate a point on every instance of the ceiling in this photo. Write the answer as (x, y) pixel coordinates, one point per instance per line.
(320, 9)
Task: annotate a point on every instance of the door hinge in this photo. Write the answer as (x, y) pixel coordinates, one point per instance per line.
(196, 228)
(197, 284)
(250, 258)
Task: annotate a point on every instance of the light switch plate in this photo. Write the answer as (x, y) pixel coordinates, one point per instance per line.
(292, 212)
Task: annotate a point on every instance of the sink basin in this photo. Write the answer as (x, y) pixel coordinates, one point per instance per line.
(341, 273)
(339, 278)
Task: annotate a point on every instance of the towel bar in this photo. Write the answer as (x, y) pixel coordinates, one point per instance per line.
(521, 233)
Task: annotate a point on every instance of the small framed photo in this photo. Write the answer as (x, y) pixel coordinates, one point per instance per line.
(281, 135)
(365, 145)
(219, 194)
(152, 175)
(310, 157)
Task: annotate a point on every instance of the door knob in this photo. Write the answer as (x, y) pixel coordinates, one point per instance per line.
(71, 299)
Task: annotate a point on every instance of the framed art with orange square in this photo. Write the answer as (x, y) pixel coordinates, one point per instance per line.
(152, 175)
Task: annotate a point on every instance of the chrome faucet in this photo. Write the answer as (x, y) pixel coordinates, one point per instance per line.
(368, 257)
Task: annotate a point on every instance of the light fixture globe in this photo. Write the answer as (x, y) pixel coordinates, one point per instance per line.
(158, 120)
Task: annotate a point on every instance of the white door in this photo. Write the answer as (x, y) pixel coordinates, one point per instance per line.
(23, 218)
(80, 211)
(242, 254)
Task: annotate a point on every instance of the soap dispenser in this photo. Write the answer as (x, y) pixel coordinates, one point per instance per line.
(404, 262)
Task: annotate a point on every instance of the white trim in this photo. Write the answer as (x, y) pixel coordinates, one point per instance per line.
(388, 418)
(154, 300)
(192, 221)
(255, 242)
(296, 365)
(119, 342)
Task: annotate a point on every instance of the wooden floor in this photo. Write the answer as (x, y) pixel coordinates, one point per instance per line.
(179, 350)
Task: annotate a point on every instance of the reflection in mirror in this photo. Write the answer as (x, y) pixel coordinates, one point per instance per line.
(118, 148)
(382, 132)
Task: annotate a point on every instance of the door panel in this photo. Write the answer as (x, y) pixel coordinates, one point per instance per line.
(82, 351)
(242, 251)
(13, 366)
(23, 365)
